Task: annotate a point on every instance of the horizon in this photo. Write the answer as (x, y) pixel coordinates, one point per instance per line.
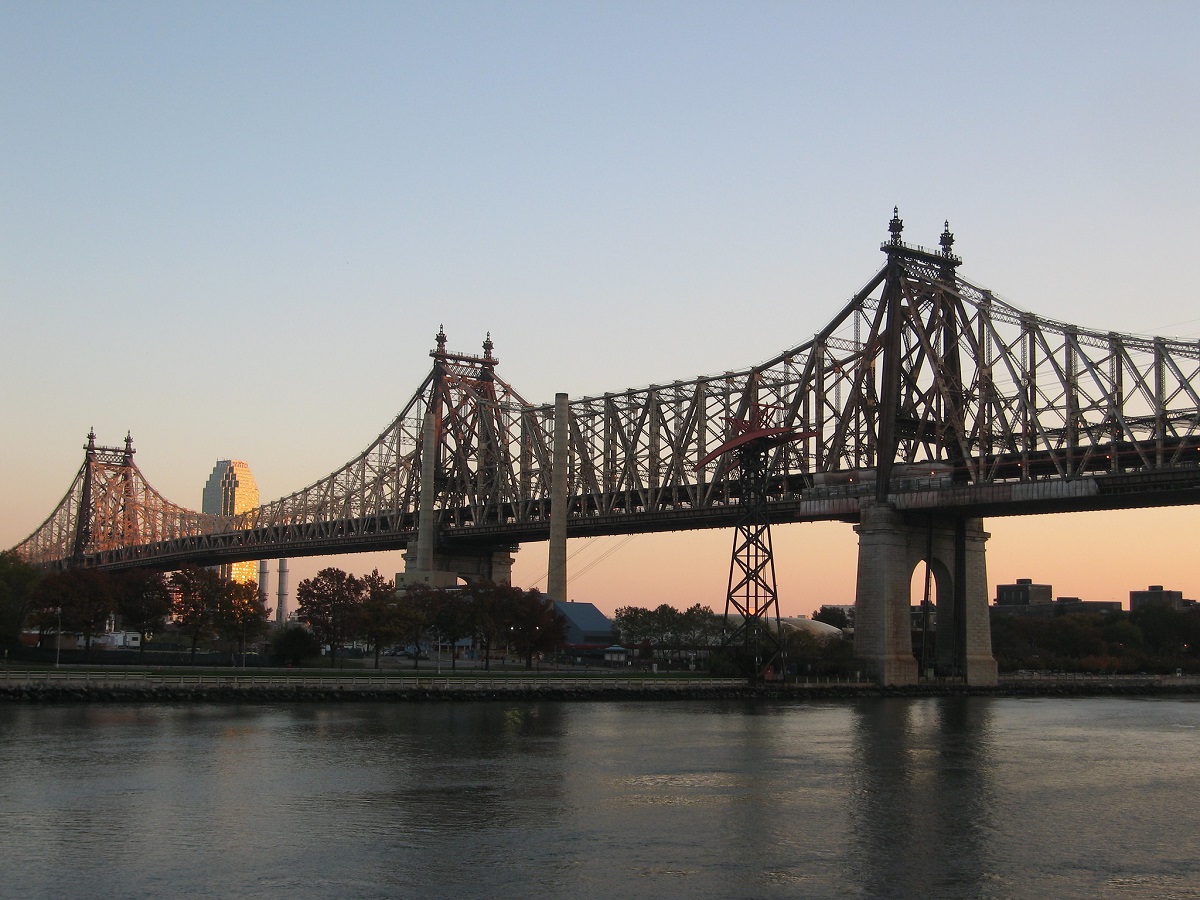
(233, 231)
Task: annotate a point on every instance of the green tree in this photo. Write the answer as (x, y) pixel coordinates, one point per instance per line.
(667, 633)
(381, 622)
(197, 594)
(453, 620)
(241, 613)
(1163, 629)
(1123, 639)
(18, 580)
(85, 597)
(805, 651)
(832, 616)
(416, 606)
(489, 615)
(331, 604)
(1072, 638)
(535, 624)
(701, 627)
(1012, 642)
(665, 625)
(292, 644)
(143, 602)
(632, 624)
(657, 631)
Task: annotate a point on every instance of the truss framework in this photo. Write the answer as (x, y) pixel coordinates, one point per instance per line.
(920, 372)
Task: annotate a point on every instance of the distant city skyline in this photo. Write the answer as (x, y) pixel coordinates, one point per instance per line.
(284, 203)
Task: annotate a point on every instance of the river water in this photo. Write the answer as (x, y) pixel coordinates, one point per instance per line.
(881, 797)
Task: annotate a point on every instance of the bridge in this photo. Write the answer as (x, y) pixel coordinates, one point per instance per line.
(926, 404)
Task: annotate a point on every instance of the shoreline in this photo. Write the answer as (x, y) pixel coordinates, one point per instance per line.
(599, 691)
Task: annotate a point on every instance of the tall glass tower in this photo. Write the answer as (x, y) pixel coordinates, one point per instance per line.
(231, 490)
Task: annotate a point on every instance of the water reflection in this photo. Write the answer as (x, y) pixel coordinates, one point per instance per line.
(954, 797)
(922, 809)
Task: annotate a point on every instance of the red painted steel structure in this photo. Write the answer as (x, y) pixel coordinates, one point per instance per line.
(752, 592)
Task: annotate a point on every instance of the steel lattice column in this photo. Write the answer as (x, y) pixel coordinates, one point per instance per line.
(752, 567)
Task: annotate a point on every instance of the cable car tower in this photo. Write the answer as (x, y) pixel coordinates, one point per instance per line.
(752, 568)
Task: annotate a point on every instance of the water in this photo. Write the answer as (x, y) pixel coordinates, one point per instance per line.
(931, 797)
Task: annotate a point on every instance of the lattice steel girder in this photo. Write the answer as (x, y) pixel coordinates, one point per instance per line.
(996, 393)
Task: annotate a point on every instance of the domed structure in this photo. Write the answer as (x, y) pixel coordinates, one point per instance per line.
(800, 624)
(810, 626)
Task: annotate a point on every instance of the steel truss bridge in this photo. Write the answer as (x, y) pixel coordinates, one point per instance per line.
(925, 392)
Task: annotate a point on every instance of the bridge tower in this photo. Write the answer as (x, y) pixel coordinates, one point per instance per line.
(107, 478)
(459, 450)
(891, 544)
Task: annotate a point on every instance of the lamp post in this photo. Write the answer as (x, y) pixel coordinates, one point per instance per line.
(57, 635)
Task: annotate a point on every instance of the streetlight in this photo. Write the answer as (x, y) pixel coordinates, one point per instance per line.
(58, 635)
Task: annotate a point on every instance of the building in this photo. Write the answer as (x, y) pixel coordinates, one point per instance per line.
(230, 491)
(1155, 595)
(586, 625)
(1063, 606)
(1024, 593)
(917, 620)
(1070, 605)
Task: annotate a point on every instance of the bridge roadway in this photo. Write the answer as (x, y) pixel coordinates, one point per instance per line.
(1175, 486)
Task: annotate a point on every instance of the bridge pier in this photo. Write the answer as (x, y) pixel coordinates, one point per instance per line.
(445, 569)
(891, 547)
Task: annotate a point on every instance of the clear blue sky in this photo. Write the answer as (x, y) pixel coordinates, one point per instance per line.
(233, 229)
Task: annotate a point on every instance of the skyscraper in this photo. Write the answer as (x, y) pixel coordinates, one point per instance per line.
(231, 490)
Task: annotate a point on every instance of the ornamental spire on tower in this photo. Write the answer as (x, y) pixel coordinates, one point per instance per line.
(896, 225)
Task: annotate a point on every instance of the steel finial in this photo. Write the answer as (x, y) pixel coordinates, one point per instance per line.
(947, 240)
(896, 225)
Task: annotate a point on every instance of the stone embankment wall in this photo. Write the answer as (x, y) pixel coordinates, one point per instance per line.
(89, 693)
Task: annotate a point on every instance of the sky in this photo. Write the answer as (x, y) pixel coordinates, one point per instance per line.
(233, 230)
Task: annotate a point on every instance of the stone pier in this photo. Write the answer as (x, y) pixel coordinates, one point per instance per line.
(890, 548)
(445, 569)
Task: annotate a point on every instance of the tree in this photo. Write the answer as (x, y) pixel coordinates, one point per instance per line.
(380, 622)
(1074, 637)
(292, 644)
(17, 582)
(241, 612)
(84, 597)
(197, 593)
(331, 604)
(832, 616)
(1166, 631)
(632, 624)
(143, 602)
(453, 620)
(665, 632)
(536, 625)
(655, 629)
(491, 605)
(415, 607)
(699, 627)
(665, 625)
